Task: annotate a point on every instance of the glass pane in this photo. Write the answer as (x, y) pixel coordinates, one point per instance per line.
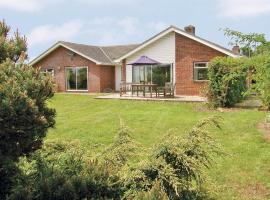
(136, 74)
(161, 74)
(200, 74)
(81, 78)
(142, 79)
(71, 78)
(148, 71)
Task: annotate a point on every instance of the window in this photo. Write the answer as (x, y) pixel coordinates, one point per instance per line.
(200, 71)
(158, 74)
(49, 71)
(77, 78)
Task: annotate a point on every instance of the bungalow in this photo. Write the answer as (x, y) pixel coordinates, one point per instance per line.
(182, 58)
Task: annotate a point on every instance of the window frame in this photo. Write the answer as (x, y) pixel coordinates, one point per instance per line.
(76, 67)
(199, 62)
(45, 71)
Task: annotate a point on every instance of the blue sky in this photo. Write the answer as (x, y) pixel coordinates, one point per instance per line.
(107, 22)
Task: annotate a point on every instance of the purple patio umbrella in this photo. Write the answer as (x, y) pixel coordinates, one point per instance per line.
(144, 60)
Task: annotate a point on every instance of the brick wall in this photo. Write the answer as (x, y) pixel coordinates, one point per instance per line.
(187, 52)
(99, 77)
(107, 78)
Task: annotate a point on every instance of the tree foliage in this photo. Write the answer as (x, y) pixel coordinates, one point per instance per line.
(24, 115)
(11, 47)
(260, 67)
(248, 43)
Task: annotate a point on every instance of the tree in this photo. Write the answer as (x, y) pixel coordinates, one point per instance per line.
(24, 115)
(249, 43)
(11, 47)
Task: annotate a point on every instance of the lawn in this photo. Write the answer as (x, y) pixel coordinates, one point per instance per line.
(243, 174)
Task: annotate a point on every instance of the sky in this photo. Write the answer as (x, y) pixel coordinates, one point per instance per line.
(112, 22)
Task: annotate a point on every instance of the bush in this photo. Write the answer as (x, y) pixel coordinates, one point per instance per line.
(260, 66)
(174, 169)
(177, 165)
(63, 171)
(24, 115)
(123, 149)
(227, 81)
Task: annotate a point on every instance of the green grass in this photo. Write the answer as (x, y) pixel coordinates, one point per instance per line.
(243, 174)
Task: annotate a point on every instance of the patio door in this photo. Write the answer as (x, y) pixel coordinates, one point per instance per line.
(76, 78)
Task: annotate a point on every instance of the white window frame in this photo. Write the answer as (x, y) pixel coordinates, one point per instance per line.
(194, 67)
(77, 67)
(45, 71)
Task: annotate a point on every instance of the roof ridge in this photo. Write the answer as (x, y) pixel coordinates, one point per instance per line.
(105, 54)
(120, 45)
(99, 46)
(79, 44)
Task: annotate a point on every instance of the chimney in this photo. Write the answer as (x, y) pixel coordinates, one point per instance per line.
(236, 49)
(190, 29)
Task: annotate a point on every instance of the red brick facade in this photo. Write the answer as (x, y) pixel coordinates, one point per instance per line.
(187, 52)
(99, 77)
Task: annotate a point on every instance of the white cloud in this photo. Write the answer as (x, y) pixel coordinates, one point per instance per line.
(243, 8)
(37, 5)
(109, 31)
(51, 33)
(98, 31)
(21, 5)
(109, 2)
(158, 26)
(129, 26)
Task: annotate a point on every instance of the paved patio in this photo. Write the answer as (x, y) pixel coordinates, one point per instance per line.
(148, 98)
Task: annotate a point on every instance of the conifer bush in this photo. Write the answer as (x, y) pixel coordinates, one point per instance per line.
(24, 115)
(175, 168)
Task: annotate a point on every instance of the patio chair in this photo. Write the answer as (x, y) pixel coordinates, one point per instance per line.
(169, 89)
(159, 91)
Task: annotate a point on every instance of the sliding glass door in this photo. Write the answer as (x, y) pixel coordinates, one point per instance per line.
(157, 74)
(77, 78)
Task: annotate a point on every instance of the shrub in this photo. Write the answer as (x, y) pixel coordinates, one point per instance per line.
(63, 171)
(227, 81)
(177, 165)
(174, 169)
(123, 149)
(24, 115)
(260, 66)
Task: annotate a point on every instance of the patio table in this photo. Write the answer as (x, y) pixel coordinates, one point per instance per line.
(137, 86)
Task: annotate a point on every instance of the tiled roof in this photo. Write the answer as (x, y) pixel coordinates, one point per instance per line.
(102, 54)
